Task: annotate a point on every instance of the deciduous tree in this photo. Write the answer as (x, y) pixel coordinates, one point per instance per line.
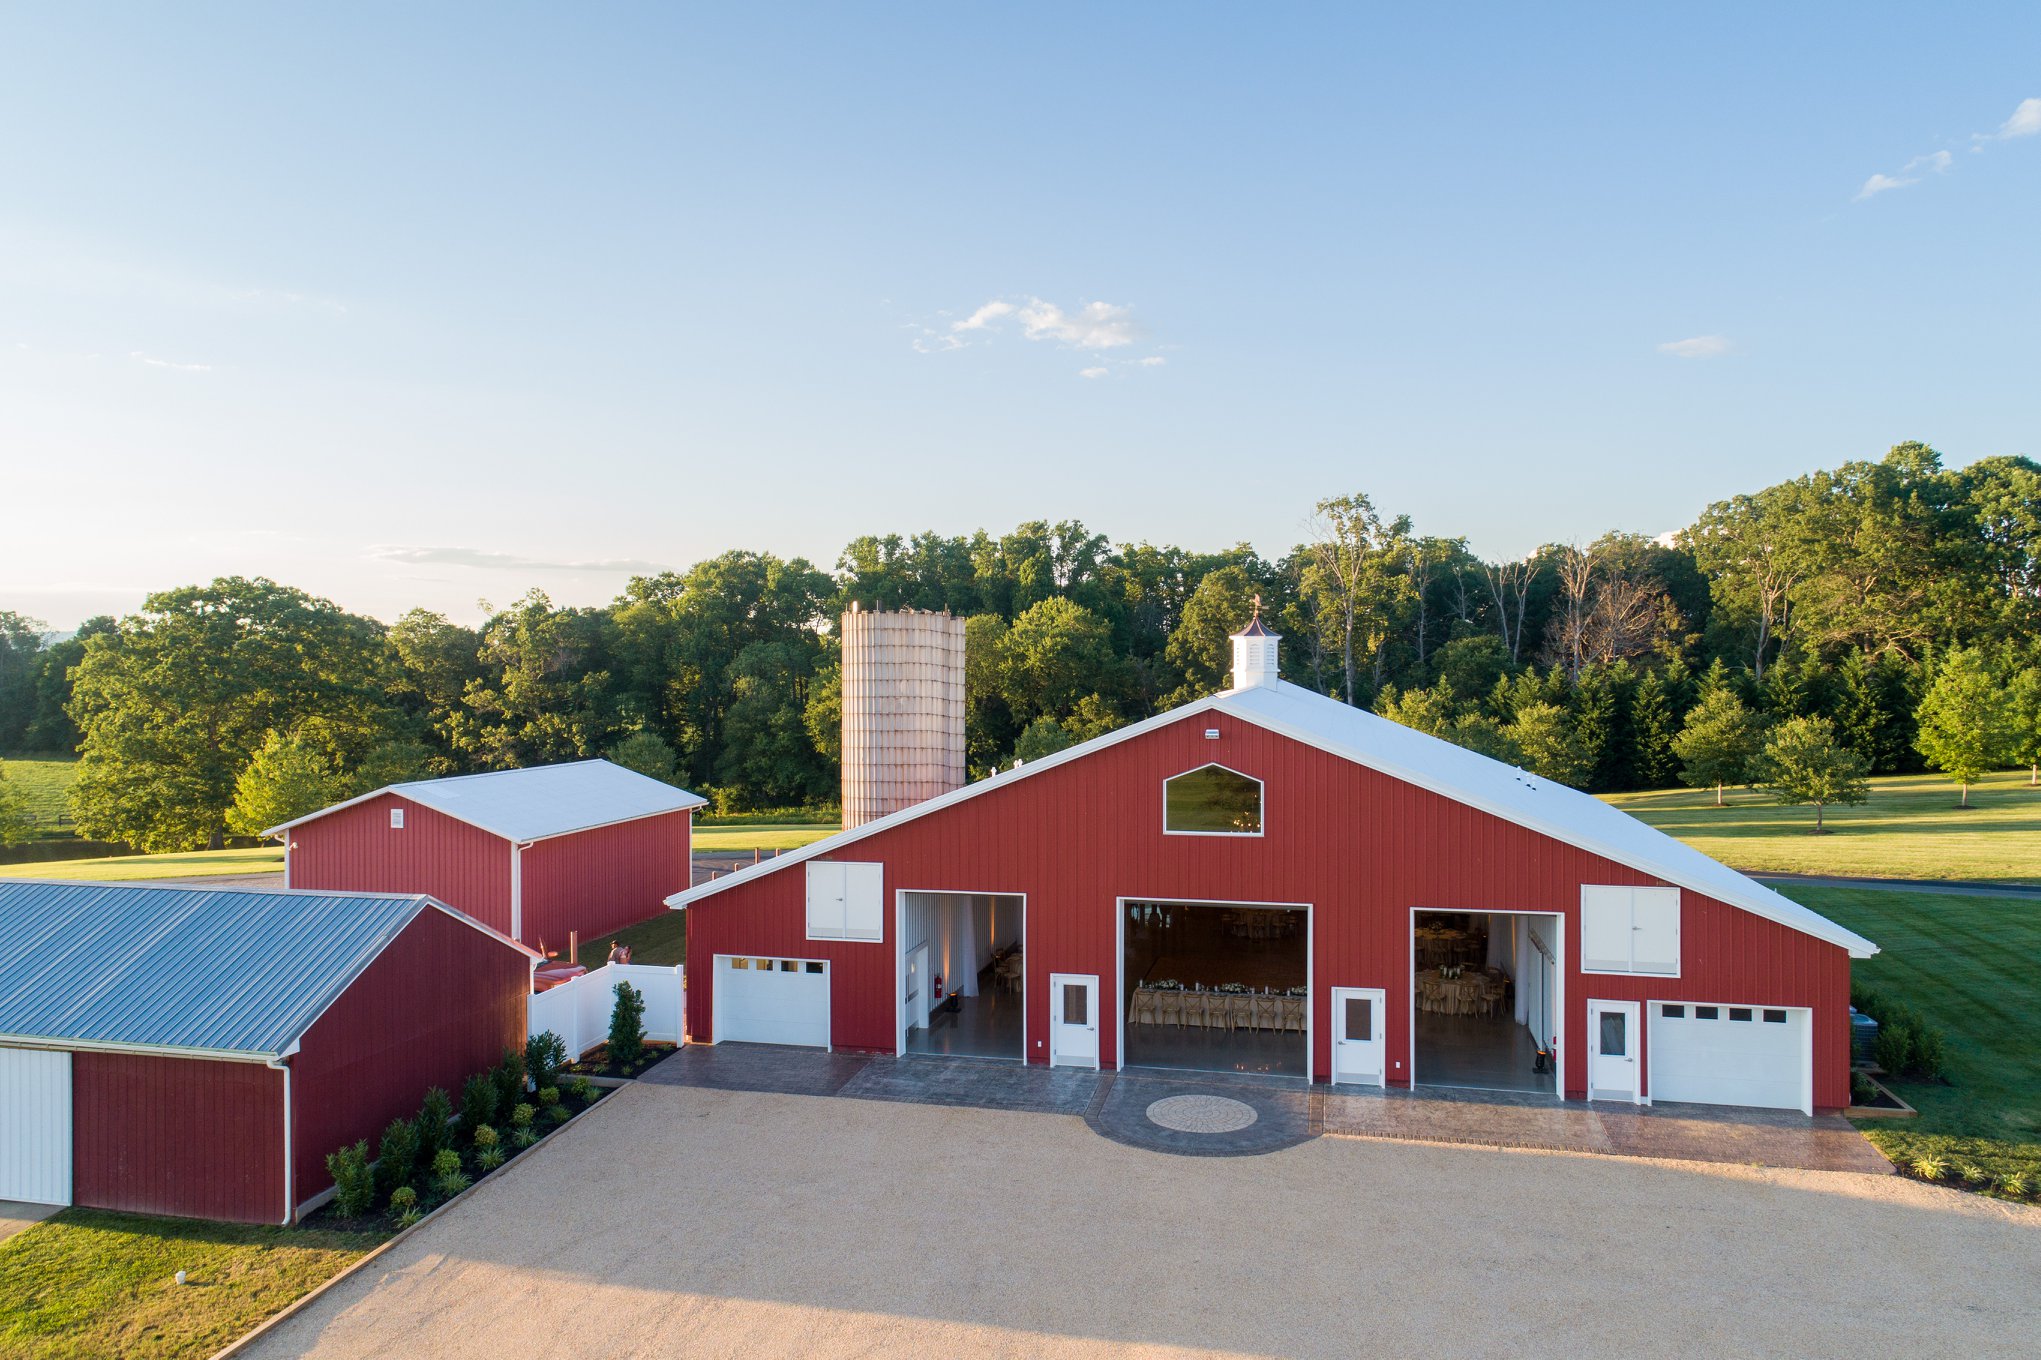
(1966, 724)
(1720, 741)
(1802, 762)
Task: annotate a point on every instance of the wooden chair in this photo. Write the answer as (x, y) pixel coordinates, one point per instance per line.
(1239, 1012)
(1145, 1007)
(1194, 1012)
(1268, 1012)
(1293, 1014)
(1169, 1008)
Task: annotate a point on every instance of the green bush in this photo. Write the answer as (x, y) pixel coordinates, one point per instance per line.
(396, 1155)
(544, 1055)
(2016, 1185)
(1862, 1091)
(549, 1096)
(582, 1089)
(1930, 1167)
(522, 1115)
(478, 1101)
(409, 1217)
(452, 1183)
(1894, 1049)
(485, 1136)
(559, 1114)
(354, 1184)
(509, 1076)
(435, 1124)
(445, 1162)
(402, 1198)
(627, 1027)
(489, 1158)
(522, 1138)
(1907, 1045)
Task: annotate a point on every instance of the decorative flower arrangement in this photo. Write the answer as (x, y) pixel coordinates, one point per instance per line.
(1298, 991)
(1233, 988)
(1166, 985)
(1451, 970)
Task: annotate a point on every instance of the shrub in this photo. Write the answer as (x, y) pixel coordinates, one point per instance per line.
(559, 1114)
(1971, 1174)
(485, 1136)
(1930, 1167)
(1929, 1055)
(582, 1089)
(523, 1138)
(435, 1124)
(396, 1155)
(402, 1198)
(445, 1162)
(408, 1218)
(478, 1101)
(452, 1183)
(489, 1158)
(2016, 1185)
(544, 1055)
(522, 1115)
(549, 1096)
(627, 1027)
(509, 1075)
(1862, 1092)
(354, 1184)
(1895, 1046)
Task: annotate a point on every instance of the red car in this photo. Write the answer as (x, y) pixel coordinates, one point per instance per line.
(553, 972)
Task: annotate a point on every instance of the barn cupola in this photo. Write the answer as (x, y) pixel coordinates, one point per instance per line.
(1254, 653)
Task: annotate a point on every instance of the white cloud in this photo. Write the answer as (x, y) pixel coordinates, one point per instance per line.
(2025, 122)
(1152, 361)
(1697, 347)
(1095, 372)
(1937, 161)
(152, 362)
(1094, 325)
(1878, 184)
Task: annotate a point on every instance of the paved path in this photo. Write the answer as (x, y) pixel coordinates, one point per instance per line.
(1954, 887)
(1286, 1111)
(683, 1221)
(15, 1216)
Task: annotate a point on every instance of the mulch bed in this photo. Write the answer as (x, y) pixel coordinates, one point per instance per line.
(595, 1062)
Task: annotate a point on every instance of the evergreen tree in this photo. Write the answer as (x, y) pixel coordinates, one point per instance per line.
(1655, 727)
(1545, 737)
(1597, 712)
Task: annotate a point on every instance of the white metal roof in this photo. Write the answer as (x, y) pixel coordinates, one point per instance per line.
(1467, 777)
(536, 802)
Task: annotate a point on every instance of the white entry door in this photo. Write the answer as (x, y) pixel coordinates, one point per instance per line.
(1073, 1020)
(1612, 1050)
(1357, 1043)
(35, 1125)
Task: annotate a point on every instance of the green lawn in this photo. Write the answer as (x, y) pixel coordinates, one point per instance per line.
(45, 782)
(88, 1284)
(130, 868)
(661, 940)
(1965, 963)
(1911, 828)
(761, 836)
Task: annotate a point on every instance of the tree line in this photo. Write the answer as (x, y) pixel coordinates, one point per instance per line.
(1843, 598)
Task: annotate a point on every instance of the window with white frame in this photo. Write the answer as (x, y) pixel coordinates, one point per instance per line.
(846, 901)
(1629, 930)
(1211, 801)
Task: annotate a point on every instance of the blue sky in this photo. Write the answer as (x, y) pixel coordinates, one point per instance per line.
(429, 307)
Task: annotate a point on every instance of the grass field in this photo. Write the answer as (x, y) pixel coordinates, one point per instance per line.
(45, 782)
(1911, 828)
(135, 868)
(661, 940)
(1964, 963)
(761, 836)
(87, 1284)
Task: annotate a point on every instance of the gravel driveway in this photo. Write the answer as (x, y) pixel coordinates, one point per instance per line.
(675, 1221)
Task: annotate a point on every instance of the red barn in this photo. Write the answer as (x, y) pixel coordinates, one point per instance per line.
(1270, 880)
(536, 853)
(198, 1053)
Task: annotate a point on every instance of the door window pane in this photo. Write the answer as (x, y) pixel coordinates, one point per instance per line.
(1615, 1033)
(1075, 1011)
(1739, 1013)
(1673, 1012)
(1360, 1019)
(1775, 1017)
(814, 967)
(1706, 1013)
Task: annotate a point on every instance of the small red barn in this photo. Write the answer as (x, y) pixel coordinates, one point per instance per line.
(535, 853)
(199, 1053)
(1269, 880)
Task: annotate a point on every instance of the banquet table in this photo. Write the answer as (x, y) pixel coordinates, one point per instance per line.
(1216, 1010)
(1469, 994)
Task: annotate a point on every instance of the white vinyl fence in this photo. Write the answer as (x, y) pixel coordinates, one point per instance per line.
(579, 1011)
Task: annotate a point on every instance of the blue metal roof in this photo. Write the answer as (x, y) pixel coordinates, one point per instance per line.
(211, 971)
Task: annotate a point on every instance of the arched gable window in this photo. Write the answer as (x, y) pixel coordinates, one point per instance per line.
(1211, 801)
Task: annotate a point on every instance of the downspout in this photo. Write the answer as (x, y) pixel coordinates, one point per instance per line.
(517, 892)
(290, 1168)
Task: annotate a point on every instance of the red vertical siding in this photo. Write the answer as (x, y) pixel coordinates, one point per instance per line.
(357, 850)
(440, 1004)
(604, 879)
(182, 1136)
(1362, 848)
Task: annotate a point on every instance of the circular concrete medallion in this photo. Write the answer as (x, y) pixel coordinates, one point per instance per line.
(1202, 1114)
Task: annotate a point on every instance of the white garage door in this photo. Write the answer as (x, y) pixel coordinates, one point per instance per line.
(1732, 1055)
(35, 1126)
(772, 1001)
